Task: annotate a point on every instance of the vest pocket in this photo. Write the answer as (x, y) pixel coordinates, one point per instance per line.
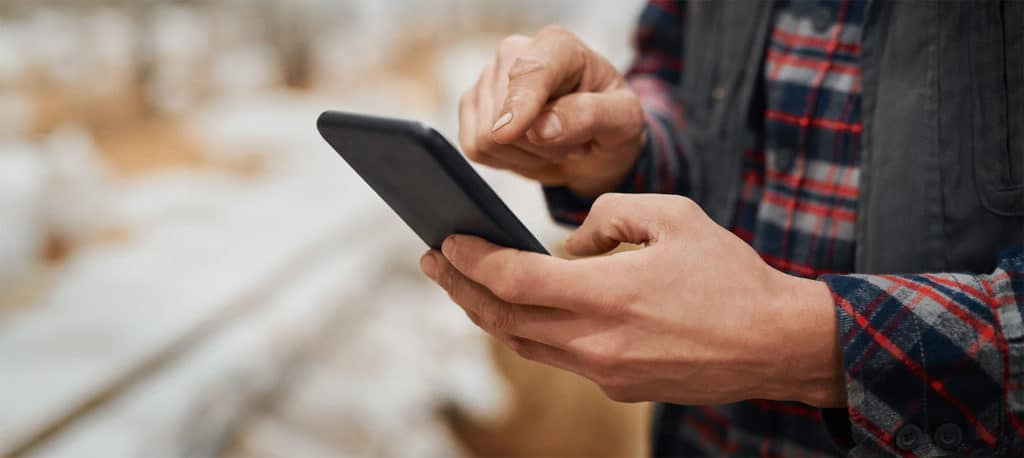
(999, 108)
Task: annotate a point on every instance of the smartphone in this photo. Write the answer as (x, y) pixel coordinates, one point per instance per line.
(424, 179)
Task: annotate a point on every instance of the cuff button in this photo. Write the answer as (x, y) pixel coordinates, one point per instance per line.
(909, 437)
(948, 436)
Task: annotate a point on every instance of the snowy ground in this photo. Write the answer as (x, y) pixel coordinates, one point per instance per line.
(276, 303)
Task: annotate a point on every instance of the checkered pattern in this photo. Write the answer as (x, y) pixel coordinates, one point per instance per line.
(922, 352)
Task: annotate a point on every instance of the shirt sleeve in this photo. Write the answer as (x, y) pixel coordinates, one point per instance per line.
(654, 76)
(934, 362)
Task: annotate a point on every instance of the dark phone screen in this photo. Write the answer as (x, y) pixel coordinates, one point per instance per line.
(416, 184)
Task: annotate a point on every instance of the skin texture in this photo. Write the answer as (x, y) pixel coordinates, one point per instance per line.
(552, 110)
(694, 317)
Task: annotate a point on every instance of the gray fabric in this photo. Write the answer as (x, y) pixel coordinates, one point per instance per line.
(942, 163)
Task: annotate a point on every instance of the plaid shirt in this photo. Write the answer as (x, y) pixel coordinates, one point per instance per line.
(934, 362)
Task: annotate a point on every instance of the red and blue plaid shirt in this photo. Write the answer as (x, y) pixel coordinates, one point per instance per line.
(934, 362)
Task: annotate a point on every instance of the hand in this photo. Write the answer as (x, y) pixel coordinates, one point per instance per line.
(694, 317)
(551, 109)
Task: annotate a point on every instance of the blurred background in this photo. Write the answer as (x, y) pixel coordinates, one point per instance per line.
(187, 269)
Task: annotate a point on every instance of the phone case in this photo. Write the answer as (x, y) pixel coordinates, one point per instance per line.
(424, 179)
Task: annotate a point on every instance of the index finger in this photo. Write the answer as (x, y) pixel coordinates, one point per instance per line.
(522, 277)
(551, 66)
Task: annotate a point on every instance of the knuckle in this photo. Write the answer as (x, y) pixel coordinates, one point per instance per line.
(684, 211)
(607, 201)
(612, 380)
(524, 66)
(474, 318)
(470, 145)
(472, 153)
(603, 364)
(613, 229)
(514, 344)
(507, 288)
(460, 295)
(484, 143)
(447, 280)
(512, 45)
(685, 204)
(524, 351)
(618, 393)
(502, 319)
(511, 282)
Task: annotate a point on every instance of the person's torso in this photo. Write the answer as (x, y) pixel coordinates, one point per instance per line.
(824, 189)
(796, 204)
(941, 161)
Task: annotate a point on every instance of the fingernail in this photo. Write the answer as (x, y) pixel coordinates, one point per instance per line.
(551, 127)
(504, 119)
(429, 265)
(448, 247)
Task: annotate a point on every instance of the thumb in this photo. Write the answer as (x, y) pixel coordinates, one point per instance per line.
(615, 219)
(581, 117)
(551, 66)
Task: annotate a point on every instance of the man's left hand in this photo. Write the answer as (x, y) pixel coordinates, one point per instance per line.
(694, 317)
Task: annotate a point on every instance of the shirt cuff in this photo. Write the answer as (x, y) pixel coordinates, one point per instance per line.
(925, 373)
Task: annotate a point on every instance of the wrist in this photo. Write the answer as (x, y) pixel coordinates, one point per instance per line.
(810, 357)
(621, 169)
(595, 186)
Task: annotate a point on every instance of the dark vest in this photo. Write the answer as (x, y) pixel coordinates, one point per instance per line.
(942, 154)
(942, 159)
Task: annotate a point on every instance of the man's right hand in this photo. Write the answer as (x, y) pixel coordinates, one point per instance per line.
(551, 109)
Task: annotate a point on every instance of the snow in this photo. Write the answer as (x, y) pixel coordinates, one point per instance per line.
(76, 184)
(16, 111)
(22, 177)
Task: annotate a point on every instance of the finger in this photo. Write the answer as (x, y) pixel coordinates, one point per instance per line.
(514, 157)
(522, 277)
(548, 175)
(551, 66)
(467, 123)
(621, 218)
(604, 117)
(495, 316)
(509, 49)
(470, 115)
(551, 153)
(488, 151)
(546, 354)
